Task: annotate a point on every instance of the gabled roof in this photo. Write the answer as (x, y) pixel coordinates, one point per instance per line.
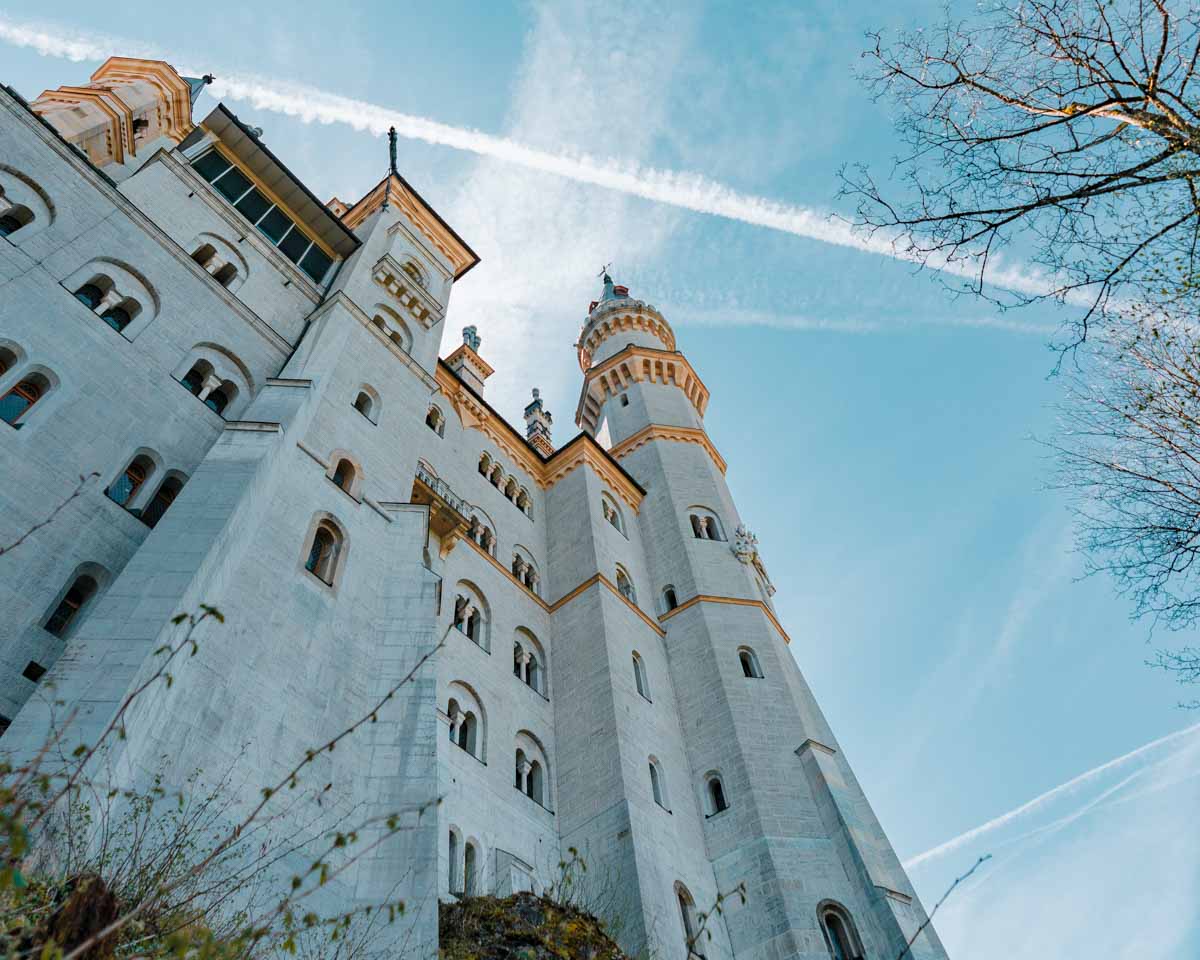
(395, 189)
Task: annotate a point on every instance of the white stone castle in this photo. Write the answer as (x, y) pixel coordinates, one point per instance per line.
(254, 375)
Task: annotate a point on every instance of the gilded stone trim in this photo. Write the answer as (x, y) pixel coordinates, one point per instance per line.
(601, 578)
(656, 432)
(736, 601)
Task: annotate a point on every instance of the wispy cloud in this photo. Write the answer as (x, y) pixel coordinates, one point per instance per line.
(683, 315)
(1044, 801)
(683, 189)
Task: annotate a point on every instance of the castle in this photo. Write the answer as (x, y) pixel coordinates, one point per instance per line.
(255, 376)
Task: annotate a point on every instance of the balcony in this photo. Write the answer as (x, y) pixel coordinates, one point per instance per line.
(447, 511)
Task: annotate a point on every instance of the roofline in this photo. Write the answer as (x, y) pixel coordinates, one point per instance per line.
(475, 258)
(284, 167)
(581, 436)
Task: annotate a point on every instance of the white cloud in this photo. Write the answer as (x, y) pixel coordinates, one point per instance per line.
(1073, 787)
(1115, 877)
(610, 164)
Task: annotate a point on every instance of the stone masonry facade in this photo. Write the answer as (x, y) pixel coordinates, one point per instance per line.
(254, 376)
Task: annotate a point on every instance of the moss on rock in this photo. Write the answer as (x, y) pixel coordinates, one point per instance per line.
(521, 927)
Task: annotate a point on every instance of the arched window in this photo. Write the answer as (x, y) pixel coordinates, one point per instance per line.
(452, 851)
(670, 601)
(470, 615)
(470, 870)
(749, 662)
(435, 421)
(658, 784)
(167, 491)
(639, 676)
(324, 551)
(518, 661)
(129, 482)
(226, 275)
(691, 924)
(625, 586)
(468, 733)
(16, 403)
(612, 512)
(531, 769)
(14, 219)
(705, 525)
(716, 794)
(364, 405)
(217, 400)
(468, 723)
(524, 503)
(194, 378)
(343, 475)
(510, 489)
(841, 937)
(497, 476)
(117, 317)
(67, 611)
(528, 660)
(485, 464)
(89, 295)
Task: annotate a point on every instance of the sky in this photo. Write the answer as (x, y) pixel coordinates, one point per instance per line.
(882, 430)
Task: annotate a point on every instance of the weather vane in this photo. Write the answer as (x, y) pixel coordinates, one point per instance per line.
(604, 270)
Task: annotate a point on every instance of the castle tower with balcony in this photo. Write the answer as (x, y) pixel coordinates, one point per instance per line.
(588, 627)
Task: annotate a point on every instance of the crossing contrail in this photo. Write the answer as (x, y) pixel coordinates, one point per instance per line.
(1042, 800)
(683, 189)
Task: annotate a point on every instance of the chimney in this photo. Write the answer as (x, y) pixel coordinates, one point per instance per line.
(537, 425)
(471, 368)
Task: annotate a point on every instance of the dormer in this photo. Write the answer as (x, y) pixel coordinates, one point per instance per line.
(240, 169)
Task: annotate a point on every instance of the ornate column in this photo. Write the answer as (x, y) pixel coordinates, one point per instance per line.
(108, 301)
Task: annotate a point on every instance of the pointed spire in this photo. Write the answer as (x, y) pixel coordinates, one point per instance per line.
(392, 150)
(197, 84)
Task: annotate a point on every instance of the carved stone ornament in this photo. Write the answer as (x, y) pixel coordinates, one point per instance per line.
(745, 544)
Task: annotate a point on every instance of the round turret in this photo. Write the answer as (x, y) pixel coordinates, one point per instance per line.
(617, 320)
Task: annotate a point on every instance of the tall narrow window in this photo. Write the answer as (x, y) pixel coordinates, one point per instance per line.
(691, 927)
(749, 663)
(657, 787)
(343, 475)
(125, 487)
(669, 600)
(323, 552)
(841, 938)
(470, 871)
(535, 789)
(79, 593)
(716, 795)
(435, 421)
(639, 676)
(625, 586)
(16, 403)
(362, 403)
(453, 854)
(163, 498)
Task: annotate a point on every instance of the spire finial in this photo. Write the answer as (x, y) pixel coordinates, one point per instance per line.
(604, 272)
(392, 150)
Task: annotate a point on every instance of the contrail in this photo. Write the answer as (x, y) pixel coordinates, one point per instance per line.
(1042, 800)
(687, 190)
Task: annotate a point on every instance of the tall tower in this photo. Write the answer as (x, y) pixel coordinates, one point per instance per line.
(780, 810)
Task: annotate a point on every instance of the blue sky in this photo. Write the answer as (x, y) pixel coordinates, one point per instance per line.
(881, 433)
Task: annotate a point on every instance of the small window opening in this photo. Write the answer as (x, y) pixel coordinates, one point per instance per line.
(343, 476)
(33, 671)
(322, 555)
(16, 403)
(89, 295)
(69, 606)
